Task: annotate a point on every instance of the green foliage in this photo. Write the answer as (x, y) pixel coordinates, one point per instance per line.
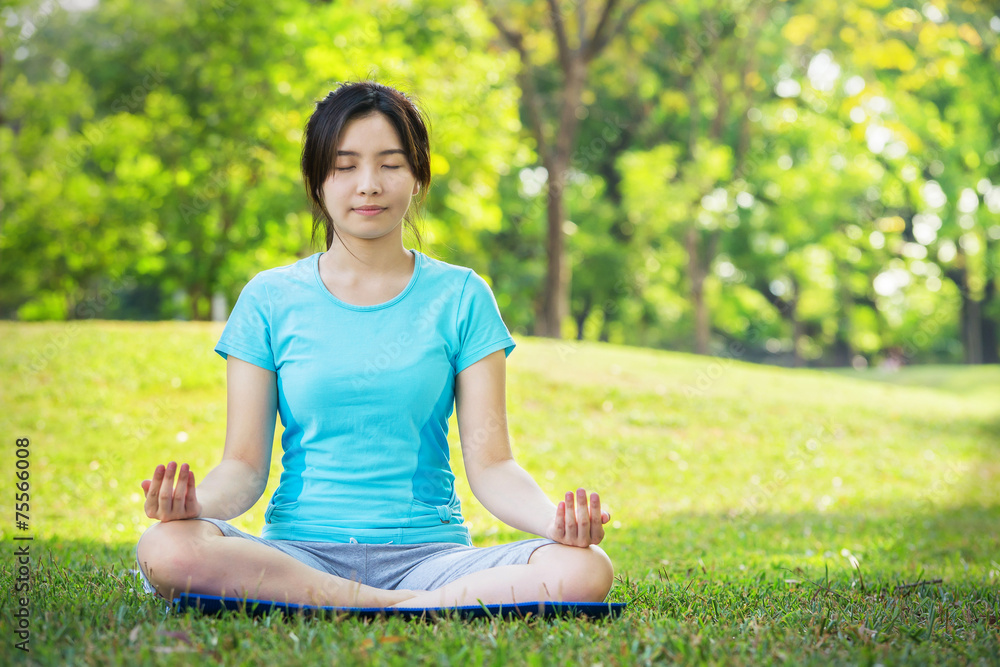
(815, 180)
(761, 515)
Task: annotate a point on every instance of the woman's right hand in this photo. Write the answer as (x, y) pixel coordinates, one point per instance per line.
(166, 502)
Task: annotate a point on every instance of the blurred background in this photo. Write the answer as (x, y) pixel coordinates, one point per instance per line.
(802, 182)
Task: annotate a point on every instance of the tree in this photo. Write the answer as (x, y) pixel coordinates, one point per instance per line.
(169, 139)
(936, 65)
(554, 125)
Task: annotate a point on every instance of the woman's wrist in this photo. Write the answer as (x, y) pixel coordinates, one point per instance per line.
(512, 495)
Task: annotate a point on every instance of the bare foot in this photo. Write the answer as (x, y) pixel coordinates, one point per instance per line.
(360, 595)
(398, 598)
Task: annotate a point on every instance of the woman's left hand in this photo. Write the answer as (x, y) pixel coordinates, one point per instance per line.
(577, 522)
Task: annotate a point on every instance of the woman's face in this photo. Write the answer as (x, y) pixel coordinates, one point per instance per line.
(369, 190)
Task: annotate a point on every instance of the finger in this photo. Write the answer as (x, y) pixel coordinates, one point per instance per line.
(597, 519)
(166, 494)
(596, 515)
(154, 484)
(191, 498)
(582, 518)
(605, 517)
(180, 491)
(571, 527)
(152, 493)
(560, 526)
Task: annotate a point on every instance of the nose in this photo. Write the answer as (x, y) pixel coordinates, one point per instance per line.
(369, 182)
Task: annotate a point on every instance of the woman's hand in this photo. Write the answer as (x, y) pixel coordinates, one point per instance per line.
(166, 502)
(578, 523)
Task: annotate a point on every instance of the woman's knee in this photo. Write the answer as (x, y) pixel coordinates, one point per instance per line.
(172, 550)
(601, 572)
(585, 574)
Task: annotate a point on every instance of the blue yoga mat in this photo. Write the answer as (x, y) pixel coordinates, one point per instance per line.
(210, 604)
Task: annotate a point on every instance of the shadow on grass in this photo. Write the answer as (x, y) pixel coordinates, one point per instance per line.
(983, 380)
(955, 543)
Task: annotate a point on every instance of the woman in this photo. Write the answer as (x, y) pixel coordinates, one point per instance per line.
(362, 351)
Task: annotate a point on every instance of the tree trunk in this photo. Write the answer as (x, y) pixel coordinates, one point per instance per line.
(553, 310)
(969, 320)
(798, 329)
(697, 272)
(553, 304)
(843, 351)
(581, 319)
(989, 329)
(971, 314)
(555, 299)
(605, 335)
(972, 328)
(195, 295)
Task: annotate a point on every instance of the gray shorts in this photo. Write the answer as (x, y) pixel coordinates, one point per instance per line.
(419, 567)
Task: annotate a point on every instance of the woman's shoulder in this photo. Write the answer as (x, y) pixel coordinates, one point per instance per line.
(445, 271)
(301, 269)
(446, 281)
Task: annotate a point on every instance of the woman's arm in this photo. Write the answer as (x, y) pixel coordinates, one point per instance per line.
(237, 482)
(501, 485)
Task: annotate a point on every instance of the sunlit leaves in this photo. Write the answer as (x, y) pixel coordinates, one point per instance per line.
(164, 141)
(800, 28)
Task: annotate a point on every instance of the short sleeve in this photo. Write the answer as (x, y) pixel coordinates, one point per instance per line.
(481, 330)
(247, 334)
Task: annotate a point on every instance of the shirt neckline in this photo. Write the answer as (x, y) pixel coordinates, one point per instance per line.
(417, 262)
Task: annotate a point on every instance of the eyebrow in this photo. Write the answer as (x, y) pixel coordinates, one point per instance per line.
(391, 151)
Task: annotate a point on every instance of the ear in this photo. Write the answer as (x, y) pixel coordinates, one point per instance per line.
(416, 188)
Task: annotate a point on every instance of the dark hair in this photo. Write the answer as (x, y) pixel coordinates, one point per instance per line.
(357, 100)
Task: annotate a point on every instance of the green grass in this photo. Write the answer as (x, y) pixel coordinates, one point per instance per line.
(761, 515)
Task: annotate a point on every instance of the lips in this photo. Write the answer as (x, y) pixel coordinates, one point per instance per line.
(369, 210)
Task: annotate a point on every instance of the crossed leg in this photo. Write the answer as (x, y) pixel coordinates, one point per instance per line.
(554, 572)
(194, 556)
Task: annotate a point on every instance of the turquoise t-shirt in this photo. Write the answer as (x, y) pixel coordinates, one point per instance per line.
(364, 395)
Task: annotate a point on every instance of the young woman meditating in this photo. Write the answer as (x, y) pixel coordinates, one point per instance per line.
(362, 351)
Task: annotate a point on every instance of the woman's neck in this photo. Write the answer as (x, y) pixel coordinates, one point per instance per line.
(382, 257)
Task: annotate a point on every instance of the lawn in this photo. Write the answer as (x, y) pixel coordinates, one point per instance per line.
(760, 515)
